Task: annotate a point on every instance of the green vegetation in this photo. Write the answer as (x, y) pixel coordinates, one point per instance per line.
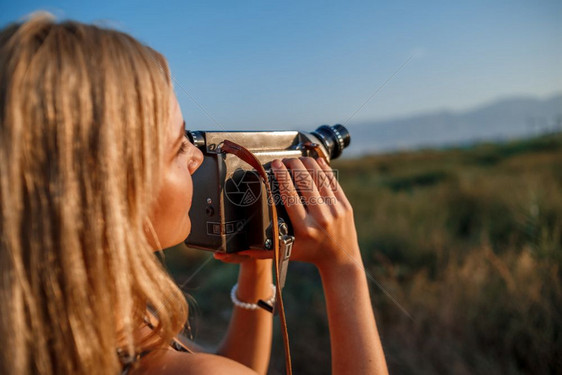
(468, 241)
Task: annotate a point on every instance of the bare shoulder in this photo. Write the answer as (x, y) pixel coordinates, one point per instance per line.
(170, 362)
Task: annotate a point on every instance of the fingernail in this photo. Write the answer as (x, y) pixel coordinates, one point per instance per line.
(322, 161)
(276, 163)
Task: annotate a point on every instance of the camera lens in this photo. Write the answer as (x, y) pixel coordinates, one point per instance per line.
(334, 138)
(196, 137)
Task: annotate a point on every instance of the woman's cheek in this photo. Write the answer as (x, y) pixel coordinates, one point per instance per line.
(183, 189)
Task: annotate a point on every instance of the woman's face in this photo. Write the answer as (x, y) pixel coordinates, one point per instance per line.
(170, 212)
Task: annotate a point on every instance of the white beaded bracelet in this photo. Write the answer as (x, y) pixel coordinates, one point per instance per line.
(250, 306)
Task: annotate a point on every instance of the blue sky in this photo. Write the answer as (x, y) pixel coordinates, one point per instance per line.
(299, 64)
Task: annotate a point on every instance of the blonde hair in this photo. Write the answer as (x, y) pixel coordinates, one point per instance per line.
(83, 115)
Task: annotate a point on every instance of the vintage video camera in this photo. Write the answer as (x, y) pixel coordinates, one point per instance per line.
(229, 211)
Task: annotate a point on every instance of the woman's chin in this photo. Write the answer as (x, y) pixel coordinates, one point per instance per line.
(187, 229)
(176, 237)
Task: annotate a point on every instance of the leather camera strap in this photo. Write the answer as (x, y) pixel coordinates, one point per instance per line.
(244, 154)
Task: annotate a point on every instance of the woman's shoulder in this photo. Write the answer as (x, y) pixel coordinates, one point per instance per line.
(168, 362)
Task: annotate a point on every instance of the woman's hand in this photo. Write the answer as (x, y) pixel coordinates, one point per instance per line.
(323, 223)
(325, 235)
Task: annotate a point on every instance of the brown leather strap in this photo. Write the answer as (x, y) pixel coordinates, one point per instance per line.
(248, 157)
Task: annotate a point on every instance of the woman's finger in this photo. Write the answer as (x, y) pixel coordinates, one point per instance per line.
(289, 195)
(257, 254)
(229, 258)
(305, 185)
(242, 256)
(334, 184)
(322, 182)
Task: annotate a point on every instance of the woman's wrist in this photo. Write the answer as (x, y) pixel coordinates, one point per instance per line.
(251, 305)
(254, 270)
(254, 280)
(341, 271)
(345, 257)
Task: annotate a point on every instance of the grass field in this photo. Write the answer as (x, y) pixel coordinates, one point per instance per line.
(468, 242)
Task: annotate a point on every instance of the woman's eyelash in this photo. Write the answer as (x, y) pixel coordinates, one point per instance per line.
(183, 147)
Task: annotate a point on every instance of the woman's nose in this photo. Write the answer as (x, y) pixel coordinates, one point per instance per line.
(195, 160)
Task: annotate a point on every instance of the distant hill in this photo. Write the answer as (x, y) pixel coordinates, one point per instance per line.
(501, 120)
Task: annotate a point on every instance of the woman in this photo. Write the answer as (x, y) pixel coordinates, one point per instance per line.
(95, 175)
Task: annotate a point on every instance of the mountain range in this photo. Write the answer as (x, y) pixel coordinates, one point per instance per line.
(504, 119)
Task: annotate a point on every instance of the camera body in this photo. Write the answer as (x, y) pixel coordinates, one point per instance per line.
(229, 209)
